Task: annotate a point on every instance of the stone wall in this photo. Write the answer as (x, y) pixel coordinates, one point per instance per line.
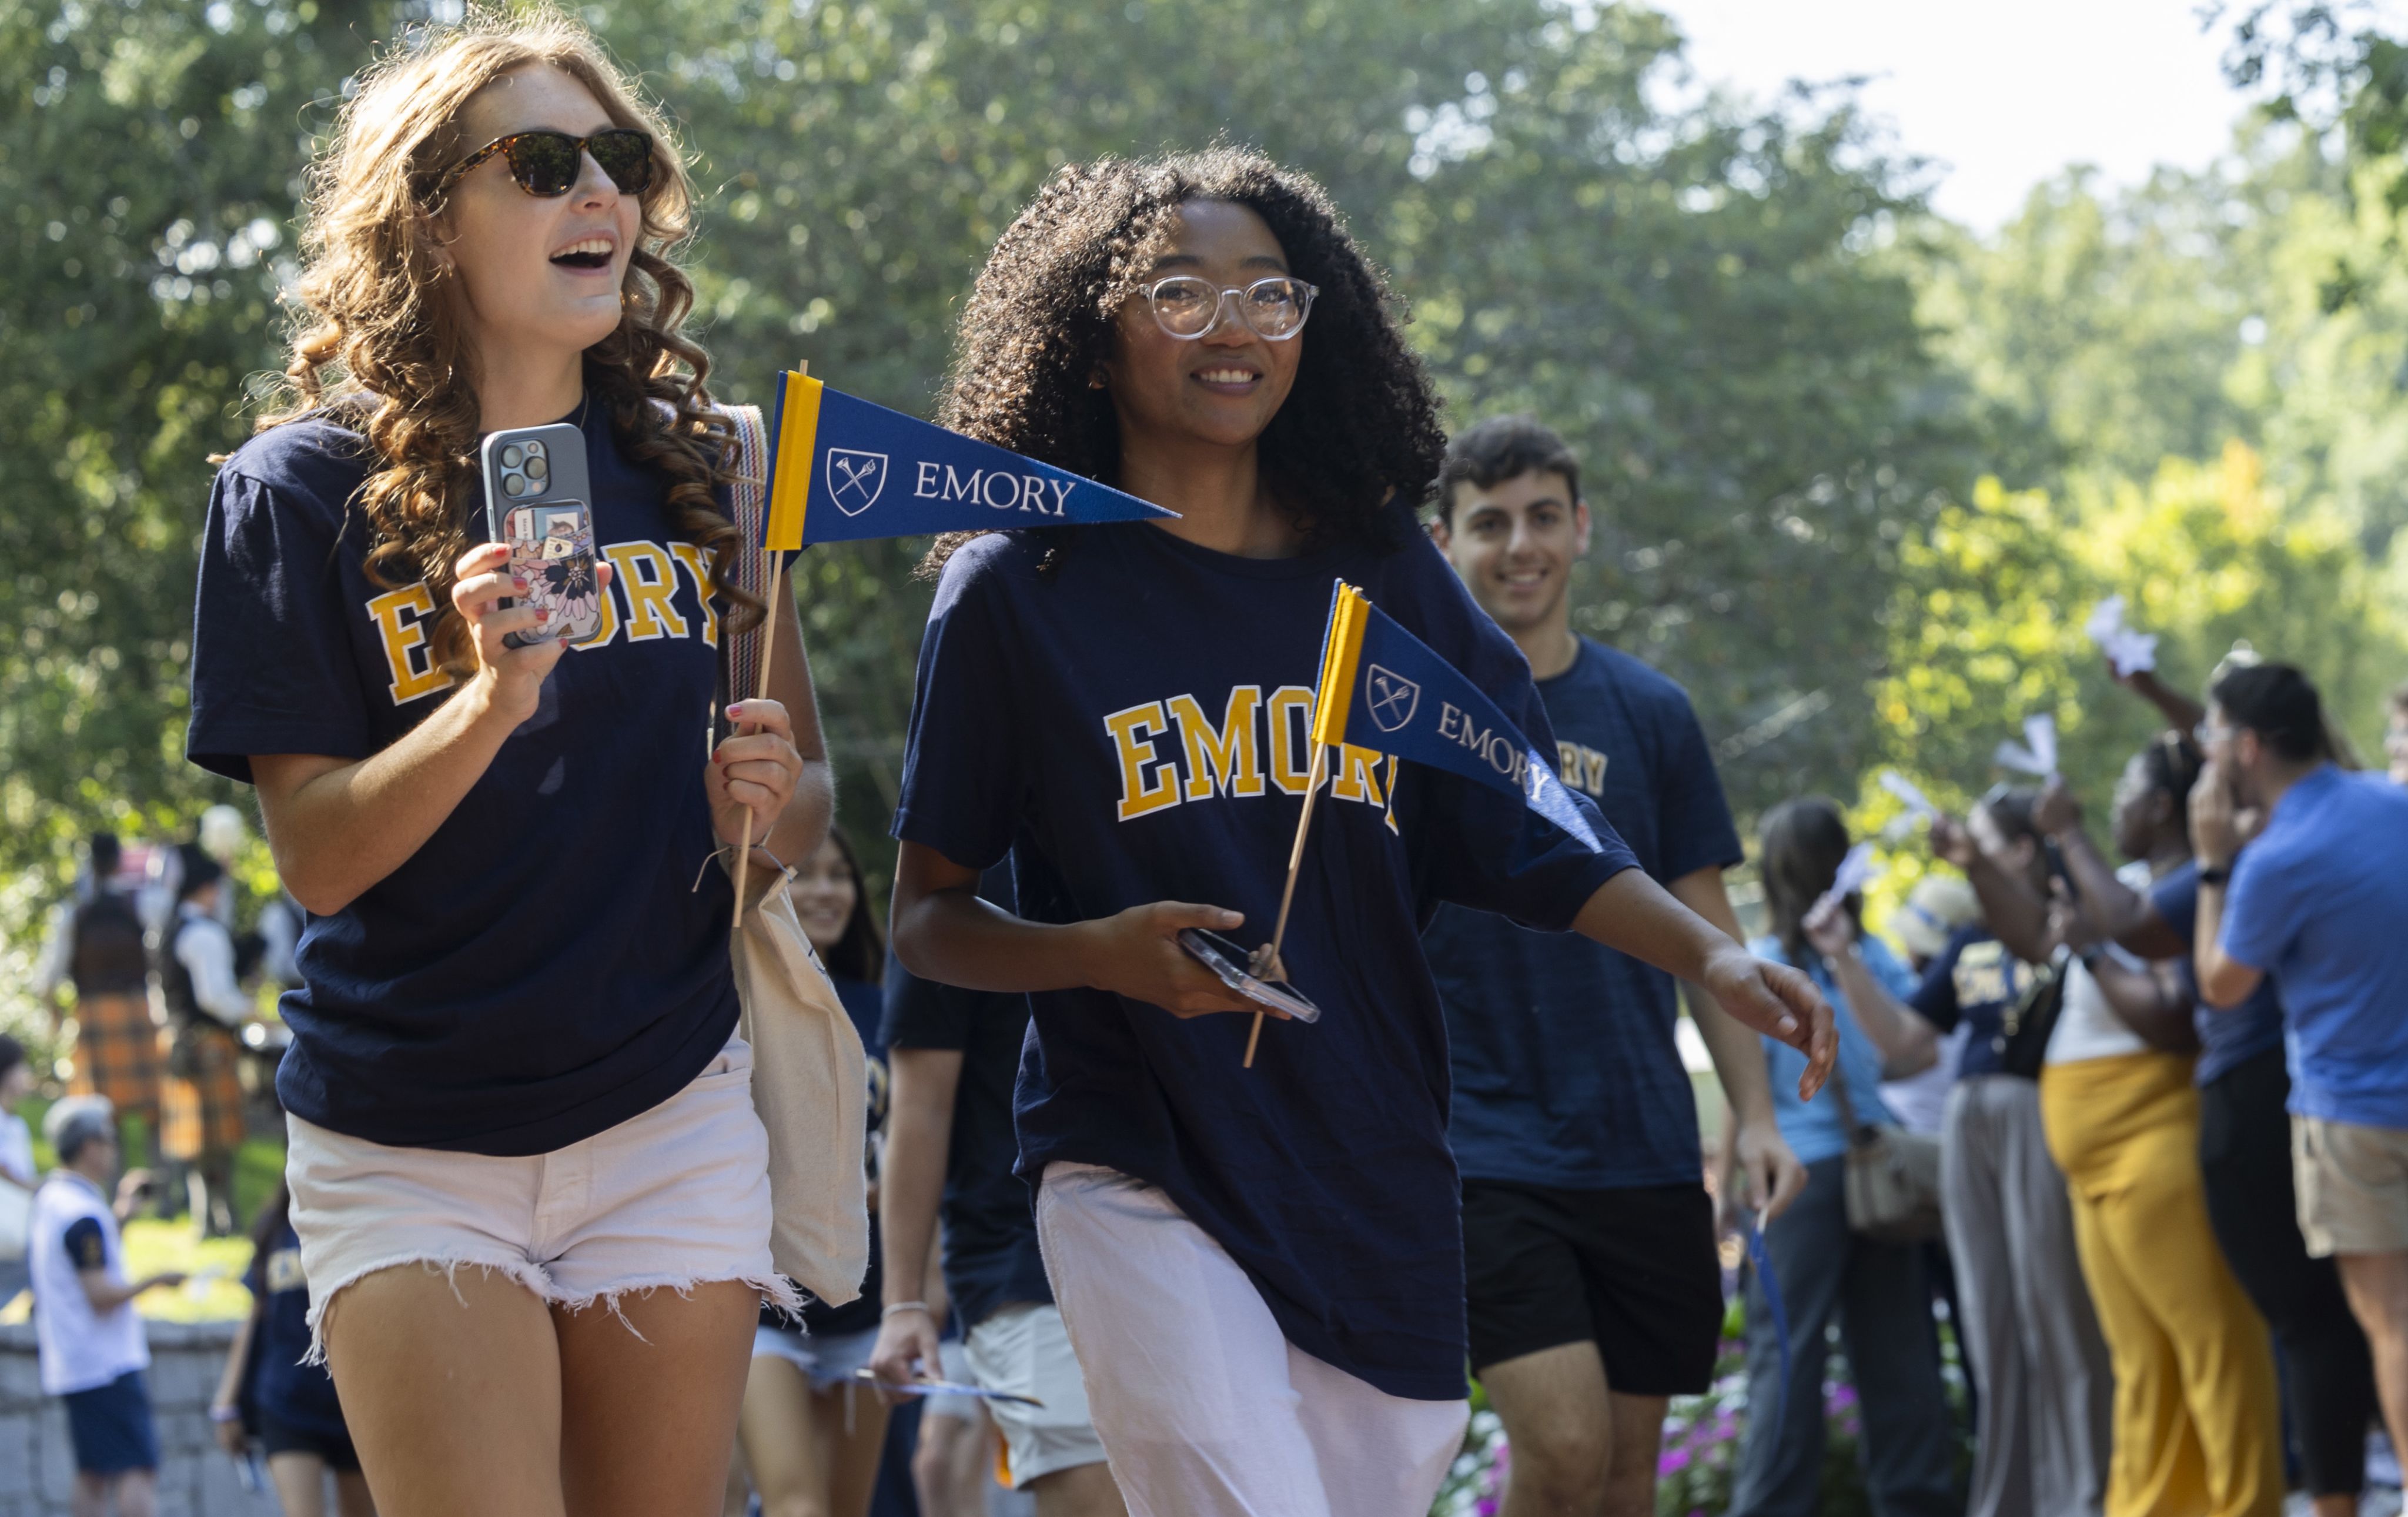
(195, 1477)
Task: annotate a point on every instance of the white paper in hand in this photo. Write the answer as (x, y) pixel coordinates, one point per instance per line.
(2036, 755)
(1908, 795)
(1857, 872)
(2128, 650)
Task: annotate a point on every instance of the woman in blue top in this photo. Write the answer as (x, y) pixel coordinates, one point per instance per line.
(1827, 1273)
(1260, 1270)
(514, 1045)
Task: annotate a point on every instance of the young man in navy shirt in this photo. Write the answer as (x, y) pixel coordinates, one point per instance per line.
(1595, 1293)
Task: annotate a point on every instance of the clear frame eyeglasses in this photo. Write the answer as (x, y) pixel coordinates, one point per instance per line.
(1187, 306)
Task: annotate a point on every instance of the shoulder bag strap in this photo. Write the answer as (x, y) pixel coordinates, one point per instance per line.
(740, 653)
(1838, 1081)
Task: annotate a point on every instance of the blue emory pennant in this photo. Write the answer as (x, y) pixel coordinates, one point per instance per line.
(844, 470)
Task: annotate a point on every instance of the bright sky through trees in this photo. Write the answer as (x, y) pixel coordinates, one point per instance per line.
(2000, 97)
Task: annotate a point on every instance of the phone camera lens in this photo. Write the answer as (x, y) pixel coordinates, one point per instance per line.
(514, 484)
(512, 455)
(534, 469)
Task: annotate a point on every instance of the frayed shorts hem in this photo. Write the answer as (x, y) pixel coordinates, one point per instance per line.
(774, 1289)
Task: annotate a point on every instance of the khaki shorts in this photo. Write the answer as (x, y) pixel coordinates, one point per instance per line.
(2353, 1184)
(1020, 1349)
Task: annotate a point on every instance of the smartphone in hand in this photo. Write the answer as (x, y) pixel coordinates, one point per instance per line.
(537, 500)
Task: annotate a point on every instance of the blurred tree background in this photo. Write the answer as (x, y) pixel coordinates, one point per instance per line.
(1860, 474)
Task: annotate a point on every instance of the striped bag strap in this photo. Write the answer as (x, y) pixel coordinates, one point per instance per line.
(740, 660)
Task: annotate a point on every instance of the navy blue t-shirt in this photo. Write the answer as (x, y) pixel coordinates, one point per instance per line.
(539, 971)
(2226, 1039)
(299, 1395)
(990, 1234)
(1131, 727)
(1974, 980)
(866, 1003)
(1566, 1073)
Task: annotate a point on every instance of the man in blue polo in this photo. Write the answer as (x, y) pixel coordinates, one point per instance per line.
(2319, 903)
(1595, 1293)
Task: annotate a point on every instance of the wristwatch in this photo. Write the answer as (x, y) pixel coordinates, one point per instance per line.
(2216, 875)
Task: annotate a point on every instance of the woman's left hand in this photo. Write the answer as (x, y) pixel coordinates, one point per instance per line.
(754, 772)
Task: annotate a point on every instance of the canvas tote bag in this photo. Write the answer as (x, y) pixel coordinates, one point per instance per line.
(1892, 1176)
(809, 1084)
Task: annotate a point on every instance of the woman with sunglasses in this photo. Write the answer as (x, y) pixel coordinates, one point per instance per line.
(1260, 1268)
(529, 1186)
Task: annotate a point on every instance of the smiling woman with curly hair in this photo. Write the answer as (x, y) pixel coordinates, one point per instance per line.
(513, 1048)
(1360, 426)
(1260, 1268)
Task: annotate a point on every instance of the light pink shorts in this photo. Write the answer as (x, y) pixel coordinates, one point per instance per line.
(674, 1197)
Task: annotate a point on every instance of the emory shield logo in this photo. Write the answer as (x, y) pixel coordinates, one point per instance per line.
(855, 479)
(1392, 697)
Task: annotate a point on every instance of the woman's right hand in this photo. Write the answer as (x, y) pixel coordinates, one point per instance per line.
(231, 1437)
(1829, 928)
(906, 1351)
(512, 679)
(1136, 953)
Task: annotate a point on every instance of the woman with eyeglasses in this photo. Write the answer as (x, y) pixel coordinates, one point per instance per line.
(530, 1189)
(1259, 1268)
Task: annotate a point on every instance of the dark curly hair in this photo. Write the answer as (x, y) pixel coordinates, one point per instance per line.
(1361, 425)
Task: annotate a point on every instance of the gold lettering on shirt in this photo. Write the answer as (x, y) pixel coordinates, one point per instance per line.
(697, 562)
(1356, 776)
(1228, 759)
(648, 578)
(401, 617)
(1581, 767)
(1290, 710)
(1132, 732)
(1984, 974)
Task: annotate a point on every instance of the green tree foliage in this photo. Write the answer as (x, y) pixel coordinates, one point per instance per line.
(1783, 375)
(1691, 293)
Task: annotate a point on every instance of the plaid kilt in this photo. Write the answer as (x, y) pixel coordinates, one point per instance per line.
(202, 1115)
(117, 1053)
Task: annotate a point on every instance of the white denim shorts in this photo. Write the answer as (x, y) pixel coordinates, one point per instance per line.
(673, 1197)
(828, 1360)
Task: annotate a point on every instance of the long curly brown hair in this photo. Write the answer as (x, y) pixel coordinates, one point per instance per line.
(375, 344)
(1360, 426)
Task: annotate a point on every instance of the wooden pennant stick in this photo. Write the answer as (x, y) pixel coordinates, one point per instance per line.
(1271, 961)
(769, 656)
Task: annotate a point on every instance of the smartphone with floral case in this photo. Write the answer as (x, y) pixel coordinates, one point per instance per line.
(537, 499)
